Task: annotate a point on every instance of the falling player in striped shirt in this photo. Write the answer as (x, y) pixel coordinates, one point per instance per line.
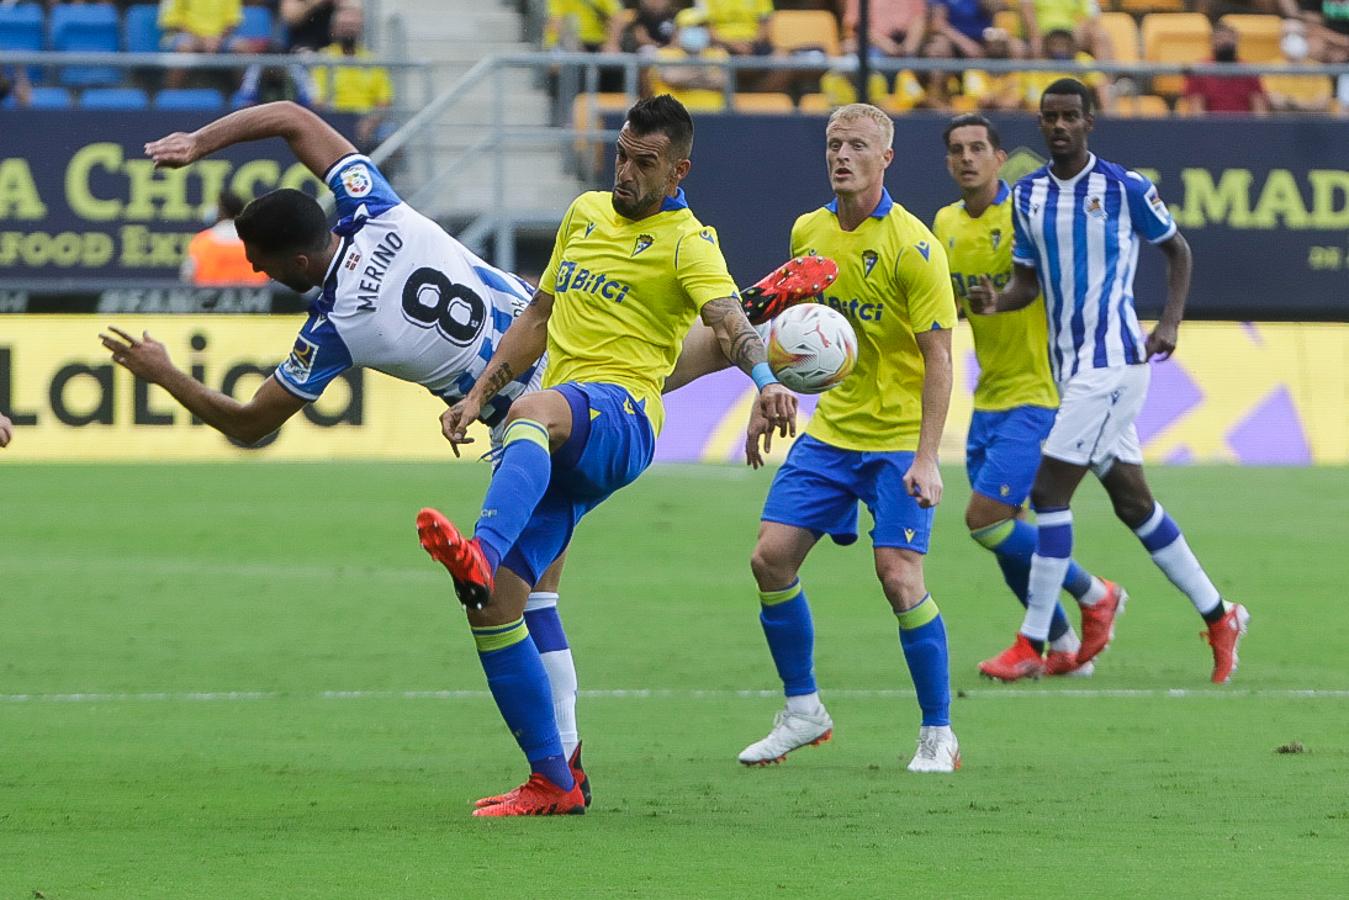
(1076, 226)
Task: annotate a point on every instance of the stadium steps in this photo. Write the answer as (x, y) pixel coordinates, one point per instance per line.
(454, 35)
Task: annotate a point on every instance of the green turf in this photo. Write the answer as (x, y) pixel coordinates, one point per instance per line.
(296, 580)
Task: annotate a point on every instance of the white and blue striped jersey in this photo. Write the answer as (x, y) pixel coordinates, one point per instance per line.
(1081, 235)
(404, 298)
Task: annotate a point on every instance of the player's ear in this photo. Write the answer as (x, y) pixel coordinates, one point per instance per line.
(1000, 155)
(888, 156)
(681, 169)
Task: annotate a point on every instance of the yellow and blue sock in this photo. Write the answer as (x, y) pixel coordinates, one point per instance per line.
(1013, 543)
(519, 684)
(785, 616)
(922, 635)
(517, 487)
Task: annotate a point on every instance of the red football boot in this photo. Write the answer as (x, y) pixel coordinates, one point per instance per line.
(1223, 636)
(798, 279)
(464, 559)
(1098, 622)
(537, 797)
(1016, 662)
(577, 772)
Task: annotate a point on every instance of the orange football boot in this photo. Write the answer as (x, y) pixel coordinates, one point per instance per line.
(537, 797)
(1223, 636)
(468, 566)
(1098, 622)
(1016, 662)
(796, 280)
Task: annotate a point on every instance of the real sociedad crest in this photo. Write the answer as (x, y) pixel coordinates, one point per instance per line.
(643, 241)
(869, 258)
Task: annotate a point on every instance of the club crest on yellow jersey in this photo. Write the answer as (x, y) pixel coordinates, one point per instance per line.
(643, 242)
(995, 236)
(869, 258)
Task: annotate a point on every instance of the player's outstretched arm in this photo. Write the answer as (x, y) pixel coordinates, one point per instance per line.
(6, 430)
(313, 141)
(248, 423)
(923, 479)
(1179, 266)
(741, 344)
(521, 346)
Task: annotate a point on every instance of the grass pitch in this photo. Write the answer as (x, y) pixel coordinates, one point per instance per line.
(242, 681)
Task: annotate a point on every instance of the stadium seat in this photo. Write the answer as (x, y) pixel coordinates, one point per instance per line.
(86, 29)
(1144, 106)
(815, 104)
(1316, 91)
(50, 98)
(763, 103)
(203, 99)
(21, 27)
(802, 29)
(1123, 33)
(1142, 7)
(1257, 37)
(115, 98)
(258, 25)
(1175, 38)
(140, 29)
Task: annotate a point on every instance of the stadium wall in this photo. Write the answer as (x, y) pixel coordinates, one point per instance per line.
(1256, 394)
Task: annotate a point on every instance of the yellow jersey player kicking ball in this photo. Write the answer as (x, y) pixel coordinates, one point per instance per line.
(873, 439)
(1015, 399)
(630, 272)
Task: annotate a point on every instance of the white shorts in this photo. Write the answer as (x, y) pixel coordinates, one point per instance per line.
(1095, 423)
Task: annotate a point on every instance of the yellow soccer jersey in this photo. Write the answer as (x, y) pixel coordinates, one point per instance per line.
(1012, 347)
(625, 293)
(892, 282)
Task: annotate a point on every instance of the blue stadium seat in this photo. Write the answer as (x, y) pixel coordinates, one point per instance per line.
(257, 24)
(202, 99)
(21, 29)
(118, 98)
(50, 98)
(140, 29)
(86, 29)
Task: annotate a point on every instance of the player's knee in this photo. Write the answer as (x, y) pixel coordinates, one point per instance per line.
(902, 582)
(1133, 509)
(772, 571)
(1044, 496)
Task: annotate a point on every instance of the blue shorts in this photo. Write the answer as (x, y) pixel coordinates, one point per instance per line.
(611, 443)
(819, 486)
(1002, 452)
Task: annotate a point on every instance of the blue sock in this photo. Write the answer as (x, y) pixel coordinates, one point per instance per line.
(517, 487)
(785, 616)
(922, 634)
(520, 687)
(1012, 542)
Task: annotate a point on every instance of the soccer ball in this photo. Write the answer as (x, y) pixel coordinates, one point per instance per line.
(811, 348)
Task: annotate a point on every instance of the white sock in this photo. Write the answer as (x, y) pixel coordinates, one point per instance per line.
(1095, 594)
(1046, 579)
(1179, 563)
(1068, 642)
(805, 704)
(561, 671)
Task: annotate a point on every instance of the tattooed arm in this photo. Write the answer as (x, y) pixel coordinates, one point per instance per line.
(521, 346)
(776, 408)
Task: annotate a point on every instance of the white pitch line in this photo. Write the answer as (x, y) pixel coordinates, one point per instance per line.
(667, 694)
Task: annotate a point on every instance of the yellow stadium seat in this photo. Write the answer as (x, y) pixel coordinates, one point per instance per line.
(795, 29)
(1309, 91)
(815, 104)
(1123, 33)
(1175, 38)
(1144, 106)
(1140, 7)
(763, 103)
(1257, 37)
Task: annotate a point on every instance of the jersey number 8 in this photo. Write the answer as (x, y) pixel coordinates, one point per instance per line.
(455, 310)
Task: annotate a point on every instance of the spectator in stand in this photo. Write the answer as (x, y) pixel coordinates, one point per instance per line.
(741, 28)
(216, 256)
(1061, 45)
(652, 27)
(927, 89)
(198, 26)
(590, 25)
(1225, 93)
(365, 91)
(1081, 18)
(15, 81)
(995, 90)
(266, 84)
(697, 87)
(897, 26)
(308, 23)
(964, 23)
(1297, 93)
(1328, 27)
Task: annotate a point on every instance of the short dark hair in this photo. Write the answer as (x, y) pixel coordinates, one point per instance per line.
(230, 204)
(283, 221)
(666, 115)
(1070, 87)
(969, 120)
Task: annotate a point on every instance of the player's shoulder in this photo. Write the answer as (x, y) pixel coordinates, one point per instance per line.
(948, 214)
(814, 218)
(905, 224)
(1027, 181)
(1135, 182)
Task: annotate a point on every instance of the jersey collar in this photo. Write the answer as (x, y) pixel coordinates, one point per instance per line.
(670, 204)
(880, 212)
(1003, 193)
(1069, 182)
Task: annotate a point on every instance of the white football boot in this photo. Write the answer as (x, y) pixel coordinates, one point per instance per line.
(938, 750)
(791, 731)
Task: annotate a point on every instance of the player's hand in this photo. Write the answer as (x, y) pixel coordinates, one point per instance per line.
(982, 296)
(923, 481)
(759, 426)
(1162, 342)
(174, 151)
(146, 358)
(6, 430)
(778, 406)
(454, 422)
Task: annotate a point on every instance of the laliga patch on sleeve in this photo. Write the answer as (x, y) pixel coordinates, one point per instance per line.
(356, 180)
(1155, 200)
(300, 364)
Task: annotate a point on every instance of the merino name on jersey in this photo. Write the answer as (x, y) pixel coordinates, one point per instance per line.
(893, 283)
(404, 298)
(625, 292)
